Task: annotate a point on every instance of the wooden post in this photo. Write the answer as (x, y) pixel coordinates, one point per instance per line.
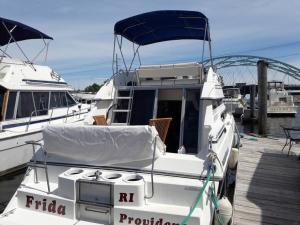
(262, 96)
(252, 100)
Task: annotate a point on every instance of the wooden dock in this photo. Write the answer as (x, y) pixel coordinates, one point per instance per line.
(267, 184)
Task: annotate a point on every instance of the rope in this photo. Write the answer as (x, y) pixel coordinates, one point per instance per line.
(198, 198)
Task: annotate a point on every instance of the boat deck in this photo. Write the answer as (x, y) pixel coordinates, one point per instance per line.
(268, 183)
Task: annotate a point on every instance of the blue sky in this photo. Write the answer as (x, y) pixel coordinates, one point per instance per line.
(83, 31)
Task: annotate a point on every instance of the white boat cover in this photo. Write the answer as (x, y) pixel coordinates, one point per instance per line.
(101, 145)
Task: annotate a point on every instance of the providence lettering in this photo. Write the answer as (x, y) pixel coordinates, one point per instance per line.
(45, 206)
(140, 221)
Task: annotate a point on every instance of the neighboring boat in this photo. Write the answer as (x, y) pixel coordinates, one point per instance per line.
(234, 101)
(129, 172)
(31, 96)
(280, 103)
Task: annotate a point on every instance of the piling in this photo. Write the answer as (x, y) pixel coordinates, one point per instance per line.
(262, 67)
(252, 101)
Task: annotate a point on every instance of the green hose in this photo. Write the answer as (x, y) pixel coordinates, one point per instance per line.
(198, 198)
(215, 202)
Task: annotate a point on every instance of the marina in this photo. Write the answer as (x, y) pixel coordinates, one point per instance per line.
(179, 130)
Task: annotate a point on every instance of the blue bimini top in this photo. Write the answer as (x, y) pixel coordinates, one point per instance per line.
(165, 25)
(19, 32)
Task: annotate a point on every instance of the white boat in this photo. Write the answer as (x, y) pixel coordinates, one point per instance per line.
(31, 97)
(280, 103)
(234, 101)
(124, 173)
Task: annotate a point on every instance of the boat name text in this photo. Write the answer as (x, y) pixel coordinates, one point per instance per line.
(141, 221)
(44, 206)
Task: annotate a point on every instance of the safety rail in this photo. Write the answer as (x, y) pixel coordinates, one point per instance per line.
(73, 113)
(30, 118)
(36, 143)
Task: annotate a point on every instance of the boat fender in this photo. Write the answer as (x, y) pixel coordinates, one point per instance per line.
(224, 212)
(235, 140)
(233, 159)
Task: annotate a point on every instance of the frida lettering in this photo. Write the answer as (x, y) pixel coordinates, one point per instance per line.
(43, 205)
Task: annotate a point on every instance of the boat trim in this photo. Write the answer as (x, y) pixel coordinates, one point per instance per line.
(44, 81)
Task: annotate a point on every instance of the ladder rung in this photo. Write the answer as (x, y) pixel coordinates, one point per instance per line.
(123, 97)
(121, 110)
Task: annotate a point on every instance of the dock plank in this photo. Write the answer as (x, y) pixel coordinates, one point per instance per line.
(268, 184)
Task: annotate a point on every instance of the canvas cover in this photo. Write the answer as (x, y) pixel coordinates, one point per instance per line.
(101, 145)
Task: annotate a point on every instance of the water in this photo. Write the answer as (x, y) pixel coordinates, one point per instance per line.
(273, 125)
(8, 186)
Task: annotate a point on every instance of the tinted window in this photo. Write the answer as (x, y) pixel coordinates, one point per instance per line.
(70, 100)
(41, 100)
(11, 105)
(58, 99)
(63, 99)
(25, 105)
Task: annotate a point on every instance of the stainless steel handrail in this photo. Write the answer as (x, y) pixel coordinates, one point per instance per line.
(35, 111)
(33, 143)
(51, 115)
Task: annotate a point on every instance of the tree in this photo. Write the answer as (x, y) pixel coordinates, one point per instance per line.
(93, 88)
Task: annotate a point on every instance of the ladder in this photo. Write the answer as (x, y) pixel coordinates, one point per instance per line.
(121, 112)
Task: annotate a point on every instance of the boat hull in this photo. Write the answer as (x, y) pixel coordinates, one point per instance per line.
(15, 153)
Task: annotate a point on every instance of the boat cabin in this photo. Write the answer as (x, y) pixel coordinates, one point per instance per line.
(27, 92)
(164, 91)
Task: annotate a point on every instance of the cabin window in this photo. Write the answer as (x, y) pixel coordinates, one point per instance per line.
(169, 105)
(283, 99)
(58, 100)
(70, 100)
(25, 105)
(191, 121)
(41, 100)
(10, 109)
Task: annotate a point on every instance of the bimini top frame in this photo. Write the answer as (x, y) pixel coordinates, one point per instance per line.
(13, 32)
(158, 26)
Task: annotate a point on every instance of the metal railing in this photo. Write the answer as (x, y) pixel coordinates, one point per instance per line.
(73, 113)
(31, 115)
(45, 167)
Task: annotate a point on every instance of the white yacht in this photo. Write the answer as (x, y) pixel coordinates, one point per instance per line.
(280, 103)
(130, 172)
(31, 96)
(234, 101)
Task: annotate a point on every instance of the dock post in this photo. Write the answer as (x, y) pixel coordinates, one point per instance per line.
(262, 96)
(252, 100)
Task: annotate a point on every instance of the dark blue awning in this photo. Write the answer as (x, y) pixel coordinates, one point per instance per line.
(165, 25)
(19, 31)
